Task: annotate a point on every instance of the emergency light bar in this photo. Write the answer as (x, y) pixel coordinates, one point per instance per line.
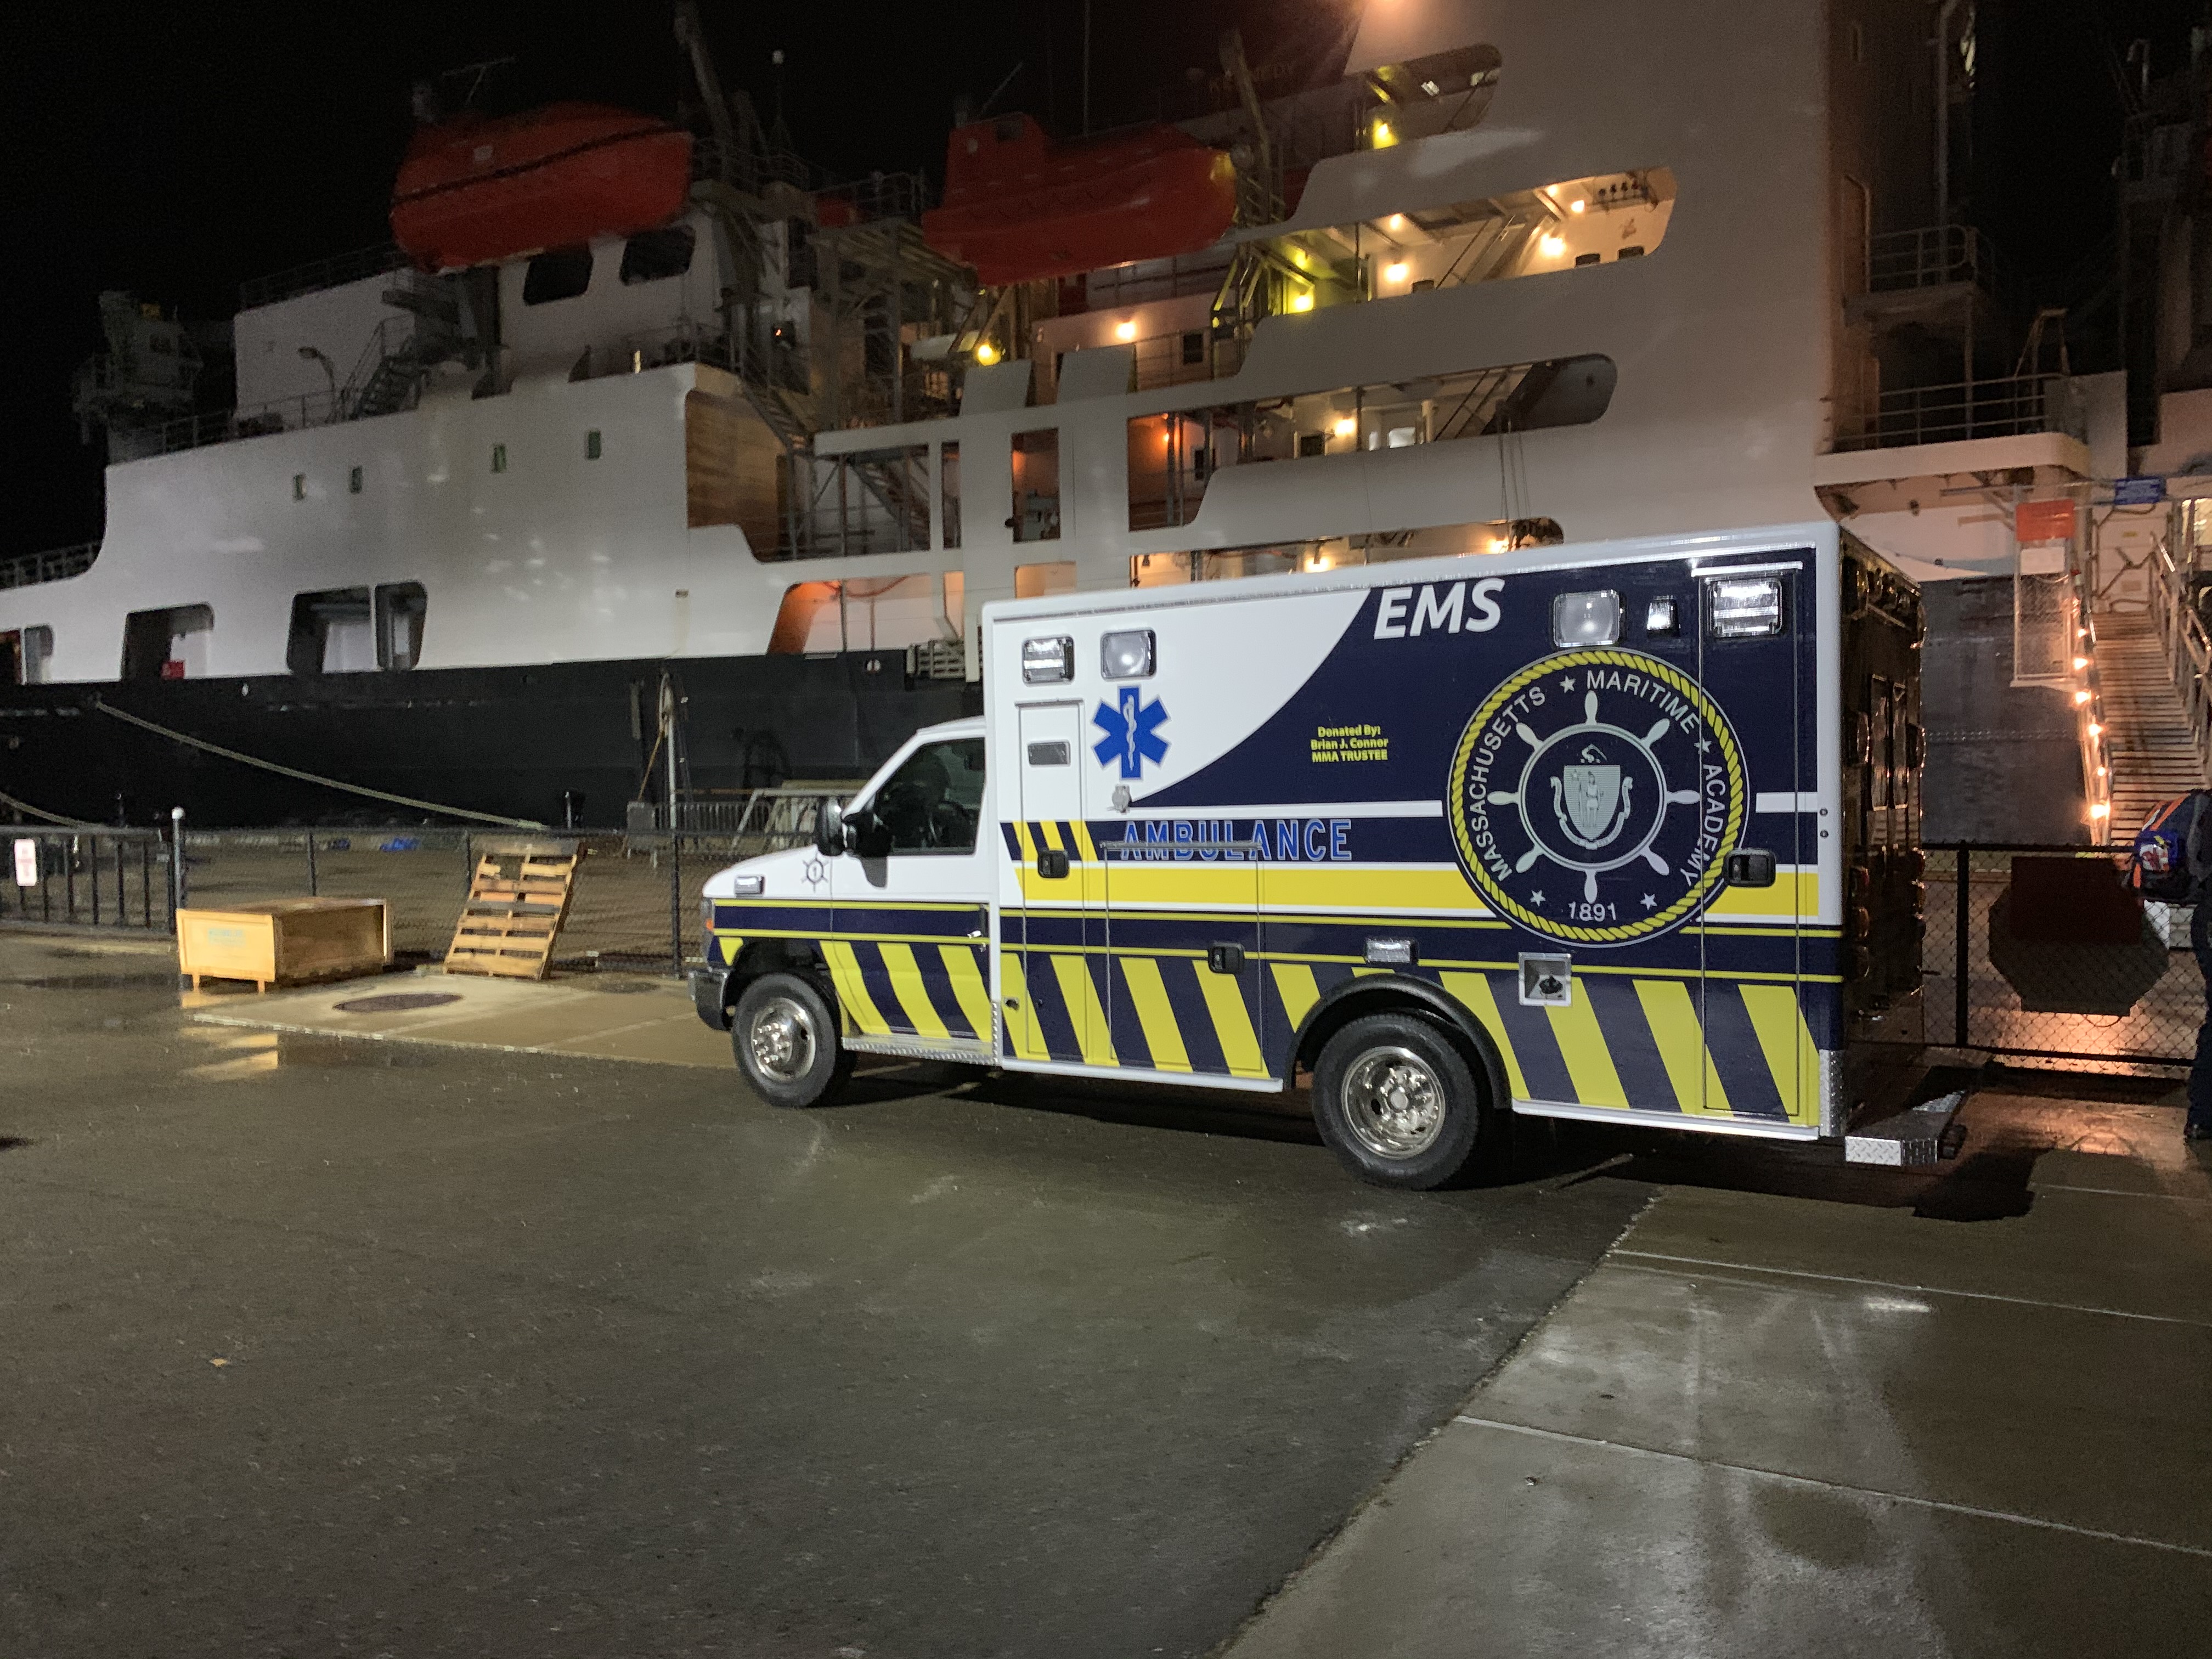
(1047, 662)
(1746, 607)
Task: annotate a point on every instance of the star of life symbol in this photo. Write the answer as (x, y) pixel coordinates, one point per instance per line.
(1627, 766)
(1132, 729)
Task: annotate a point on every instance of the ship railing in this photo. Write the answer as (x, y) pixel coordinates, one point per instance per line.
(224, 426)
(1929, 256)
(2009, 407)
(333, 272)
(2182, 632)
(1186, 358)
(50, 564)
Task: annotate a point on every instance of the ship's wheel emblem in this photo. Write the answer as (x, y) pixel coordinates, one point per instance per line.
(1594, 796)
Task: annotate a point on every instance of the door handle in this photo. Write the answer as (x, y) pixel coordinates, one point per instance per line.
(1225, 958)
(1052, 863)
(1749, 868)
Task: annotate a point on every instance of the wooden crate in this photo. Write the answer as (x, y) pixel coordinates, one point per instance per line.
(285, 941)
(518, 899)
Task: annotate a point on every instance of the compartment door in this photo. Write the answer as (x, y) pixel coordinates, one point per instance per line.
(1054, 986)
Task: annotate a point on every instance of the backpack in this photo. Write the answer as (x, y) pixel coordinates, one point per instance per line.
(2172, 859)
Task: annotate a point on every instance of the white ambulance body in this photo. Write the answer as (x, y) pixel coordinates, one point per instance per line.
(1626, 832)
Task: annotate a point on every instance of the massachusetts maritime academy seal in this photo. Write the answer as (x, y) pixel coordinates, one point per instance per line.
(1594, 796)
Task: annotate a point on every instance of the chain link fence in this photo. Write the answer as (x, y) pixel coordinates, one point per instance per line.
(636, 905)
(2043, 952)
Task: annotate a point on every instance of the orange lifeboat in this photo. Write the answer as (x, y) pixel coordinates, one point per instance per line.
(1019, 207)
(472, 190)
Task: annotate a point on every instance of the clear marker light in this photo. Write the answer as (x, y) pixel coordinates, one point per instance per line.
(1586, 618)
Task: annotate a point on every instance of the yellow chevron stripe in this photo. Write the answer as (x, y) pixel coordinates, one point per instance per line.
(1474, 990)
(852, 990)
(1051, 836)
(1682, 1043)
(1155, 1013)
(1791, 1055)
(963, 969)
(1294, 983)
(913, 994)
(1083, 847)
(1026, 841)
(1232, 1023)
(1081, 993)
(1583, 1046)
(1028, 1028)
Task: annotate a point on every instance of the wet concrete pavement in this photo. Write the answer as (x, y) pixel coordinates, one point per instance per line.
(319, 1345)
(1772, 1426)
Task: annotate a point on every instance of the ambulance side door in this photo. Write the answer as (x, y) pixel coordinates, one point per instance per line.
(1757, 660)
(908, 951)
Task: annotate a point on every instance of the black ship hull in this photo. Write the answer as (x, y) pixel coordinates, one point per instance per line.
(552, 743)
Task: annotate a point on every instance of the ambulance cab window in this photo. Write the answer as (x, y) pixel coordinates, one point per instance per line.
(933, 802)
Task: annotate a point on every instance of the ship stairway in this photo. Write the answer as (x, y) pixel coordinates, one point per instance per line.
(404, 349)
(2148, 742)
(1477, 411)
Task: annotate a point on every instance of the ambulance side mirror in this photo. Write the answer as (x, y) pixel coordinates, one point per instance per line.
(829, 828)
(867, 835)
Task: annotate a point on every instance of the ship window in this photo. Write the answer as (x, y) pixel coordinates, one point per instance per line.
(332, 633)
(1193, 347)
(560, 273)
(299, 486)
(499, 457)
(353, 482)
(25, 655)
(1313, 443)
(650, 256)
(168, 645)
(592, 445)
(400, 608)
(948, 486)
(1036, 486)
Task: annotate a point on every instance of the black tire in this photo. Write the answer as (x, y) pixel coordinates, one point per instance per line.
(785, 1037)
(1397, 1102)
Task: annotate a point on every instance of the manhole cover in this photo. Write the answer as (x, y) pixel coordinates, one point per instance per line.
(398, 1003)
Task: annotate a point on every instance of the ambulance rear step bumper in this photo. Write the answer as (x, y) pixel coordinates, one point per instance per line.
(1926, 1134)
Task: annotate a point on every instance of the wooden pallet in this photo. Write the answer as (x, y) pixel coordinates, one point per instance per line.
(518, 899)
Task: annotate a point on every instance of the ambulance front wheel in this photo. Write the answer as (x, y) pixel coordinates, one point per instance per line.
(1397, 1101)
(786, 1037)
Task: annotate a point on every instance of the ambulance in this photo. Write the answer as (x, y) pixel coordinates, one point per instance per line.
(1624, 832)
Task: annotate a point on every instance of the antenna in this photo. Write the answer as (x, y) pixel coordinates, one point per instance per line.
(693, 39)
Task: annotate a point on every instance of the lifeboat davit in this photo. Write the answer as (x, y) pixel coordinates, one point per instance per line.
(1019, 207)
(473, 189)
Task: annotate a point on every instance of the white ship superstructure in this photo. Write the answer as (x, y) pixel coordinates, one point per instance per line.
(1520, 272)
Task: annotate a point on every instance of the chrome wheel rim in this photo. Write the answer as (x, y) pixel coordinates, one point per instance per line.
(1394, 1103)
(782, 1040)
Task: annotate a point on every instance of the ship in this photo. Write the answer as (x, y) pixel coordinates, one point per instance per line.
(642, 438)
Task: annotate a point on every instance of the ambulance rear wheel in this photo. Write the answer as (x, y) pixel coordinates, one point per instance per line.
(785, 1034)
(1397, 1102)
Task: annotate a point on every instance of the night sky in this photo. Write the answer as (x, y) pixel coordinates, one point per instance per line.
(177, 150)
